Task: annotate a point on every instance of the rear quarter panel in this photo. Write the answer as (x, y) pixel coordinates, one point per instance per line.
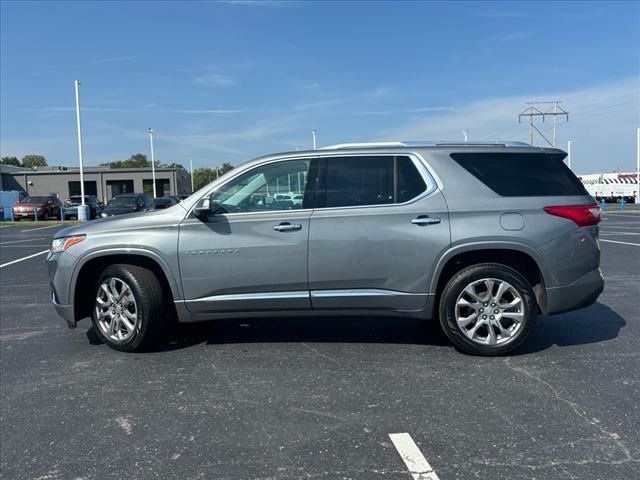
(563, 251)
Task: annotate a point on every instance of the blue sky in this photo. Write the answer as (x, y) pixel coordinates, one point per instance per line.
(227, 81)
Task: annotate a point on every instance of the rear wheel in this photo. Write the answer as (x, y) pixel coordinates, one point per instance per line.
(129, 312)
(487, 309)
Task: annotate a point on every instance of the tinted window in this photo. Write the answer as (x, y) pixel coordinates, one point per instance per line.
(410, 182)
(522, 174)
(270, 187)
(359, 181)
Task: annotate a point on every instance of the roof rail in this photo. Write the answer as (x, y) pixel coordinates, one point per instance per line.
(339, 146)
(417, 144)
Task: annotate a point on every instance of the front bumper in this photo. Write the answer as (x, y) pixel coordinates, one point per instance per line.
(579, 294)
(60, 267)
(65, 311)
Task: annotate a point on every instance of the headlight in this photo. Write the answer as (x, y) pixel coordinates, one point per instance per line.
(61, 244)
(104, 215)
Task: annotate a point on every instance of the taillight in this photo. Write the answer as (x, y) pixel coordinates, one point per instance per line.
(582, 215)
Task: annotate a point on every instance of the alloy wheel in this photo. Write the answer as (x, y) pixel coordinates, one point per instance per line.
(490, 311)
(116, 310)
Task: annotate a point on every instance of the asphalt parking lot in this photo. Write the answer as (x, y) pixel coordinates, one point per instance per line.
(318, 398)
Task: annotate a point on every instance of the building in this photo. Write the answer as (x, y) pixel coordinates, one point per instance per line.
(103, 182)
(6, 176)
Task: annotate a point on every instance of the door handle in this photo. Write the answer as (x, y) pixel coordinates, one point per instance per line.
(287, 227)
(424, 220)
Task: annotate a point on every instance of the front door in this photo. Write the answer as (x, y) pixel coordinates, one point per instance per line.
(250, 254)
(379, 226)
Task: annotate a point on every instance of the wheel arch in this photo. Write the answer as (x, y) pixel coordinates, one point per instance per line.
(522, 259)
(87, 272)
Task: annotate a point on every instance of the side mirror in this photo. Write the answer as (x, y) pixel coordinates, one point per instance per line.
(204, 209)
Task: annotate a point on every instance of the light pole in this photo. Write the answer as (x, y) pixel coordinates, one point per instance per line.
(637, 165)
(466, 135)
(191, 168)
(82, 203)
(153, 163)
(313, 133)
(569, 153)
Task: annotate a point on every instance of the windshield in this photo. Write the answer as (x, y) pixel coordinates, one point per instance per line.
(35, 200)
(123, 202)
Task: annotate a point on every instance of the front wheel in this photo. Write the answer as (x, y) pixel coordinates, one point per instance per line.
(129, 313)
(487, 309)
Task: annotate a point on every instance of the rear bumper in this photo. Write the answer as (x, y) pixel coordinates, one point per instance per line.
(579, 294)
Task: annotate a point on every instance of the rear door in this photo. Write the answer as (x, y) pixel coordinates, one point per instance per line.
(379, 226)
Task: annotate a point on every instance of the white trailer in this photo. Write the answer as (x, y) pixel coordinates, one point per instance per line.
(611, 187)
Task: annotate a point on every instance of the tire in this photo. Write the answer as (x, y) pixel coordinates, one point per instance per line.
(45, 215)
(487, 325)
(151, 315)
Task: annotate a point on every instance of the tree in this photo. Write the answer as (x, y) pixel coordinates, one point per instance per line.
(137, 160)
(173, 165)
(31, 161)
(10, 161)
(202, 176)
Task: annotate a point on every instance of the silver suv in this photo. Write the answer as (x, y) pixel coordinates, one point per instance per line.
(484, 237)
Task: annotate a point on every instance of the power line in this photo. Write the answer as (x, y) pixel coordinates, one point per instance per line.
(543, 110)
(604, 101)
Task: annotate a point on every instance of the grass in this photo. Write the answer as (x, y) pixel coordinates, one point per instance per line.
(27, 223)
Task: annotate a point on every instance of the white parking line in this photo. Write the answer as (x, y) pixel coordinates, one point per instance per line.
(40, 228)
(412, 456)
(619, 233)
(622, 243)
(23, 258)
(24, 240)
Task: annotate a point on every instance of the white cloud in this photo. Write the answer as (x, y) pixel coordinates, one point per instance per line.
(431, 109)
(602, 140)
(212, 111)
(114, 59)
(214, 80)
(510, 37)
(374, 112)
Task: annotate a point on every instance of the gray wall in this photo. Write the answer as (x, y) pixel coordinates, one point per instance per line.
(57, 182)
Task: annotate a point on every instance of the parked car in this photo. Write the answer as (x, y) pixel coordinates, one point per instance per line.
(70, 209)
(161, 203)
(127, 203)
(46, 206)
(482, 237)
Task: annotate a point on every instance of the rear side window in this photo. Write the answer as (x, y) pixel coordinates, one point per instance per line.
(522, 174)
(361, 181)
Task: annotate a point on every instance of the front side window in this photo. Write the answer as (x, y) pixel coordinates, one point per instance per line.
(377, 180)
(276, 186)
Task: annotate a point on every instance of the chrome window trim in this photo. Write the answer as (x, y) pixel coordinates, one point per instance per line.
(425, 172)
(432, 181)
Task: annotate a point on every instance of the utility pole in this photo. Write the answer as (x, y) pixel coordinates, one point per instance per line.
(153, 163)
(544, 111)
(569, 153)
(313, 133)
(191, 169)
